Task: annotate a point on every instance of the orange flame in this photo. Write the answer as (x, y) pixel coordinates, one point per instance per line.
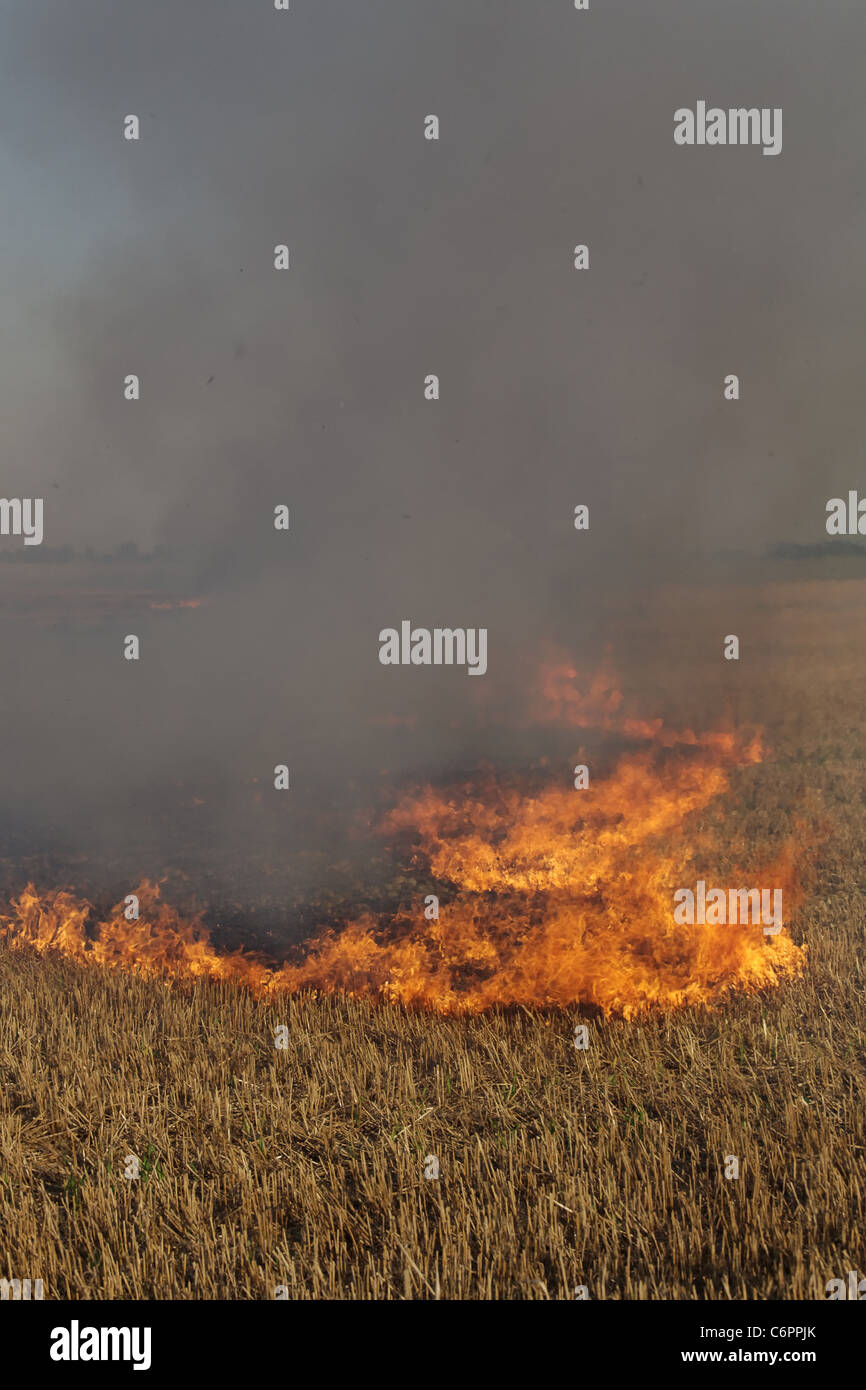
(549, 898)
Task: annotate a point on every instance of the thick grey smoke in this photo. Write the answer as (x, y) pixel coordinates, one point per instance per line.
(408, 257)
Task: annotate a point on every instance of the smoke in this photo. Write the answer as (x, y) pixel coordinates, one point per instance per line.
(306, 388)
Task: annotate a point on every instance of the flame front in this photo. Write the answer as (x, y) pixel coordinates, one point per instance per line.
(548, 898)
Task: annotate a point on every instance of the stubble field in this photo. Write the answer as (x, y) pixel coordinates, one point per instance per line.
(303, 1169)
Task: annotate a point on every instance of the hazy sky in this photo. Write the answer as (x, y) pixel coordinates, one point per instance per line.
(408, 257)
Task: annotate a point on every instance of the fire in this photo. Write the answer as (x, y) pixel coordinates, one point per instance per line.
(158, 942)
(549, 896)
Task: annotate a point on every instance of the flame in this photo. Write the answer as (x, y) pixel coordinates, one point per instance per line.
(549, 896)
